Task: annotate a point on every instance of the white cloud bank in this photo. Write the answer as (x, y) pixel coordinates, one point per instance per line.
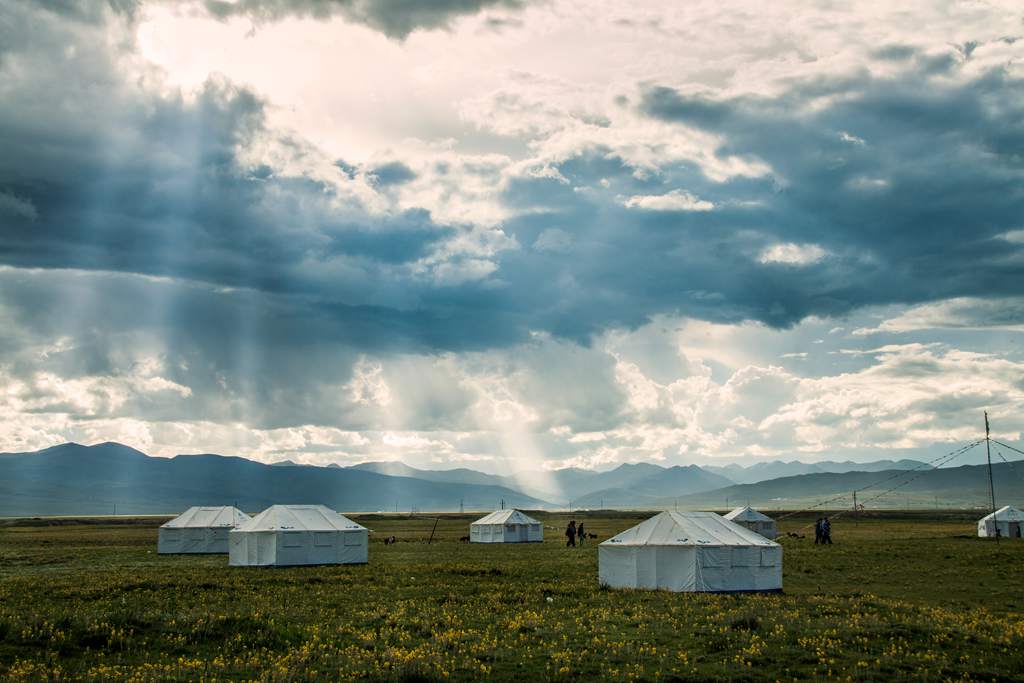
(792, 254)
(676, 200)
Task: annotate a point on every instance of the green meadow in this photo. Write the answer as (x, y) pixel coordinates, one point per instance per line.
(899, 595)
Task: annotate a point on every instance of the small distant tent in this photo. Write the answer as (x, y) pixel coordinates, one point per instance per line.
(199, 530)
(690, 551)
(506, 526)
(755, 521)
(284, 535)
(1008, 521)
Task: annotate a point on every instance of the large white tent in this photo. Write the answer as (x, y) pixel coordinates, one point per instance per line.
(285, 535)
(199, 530)
(757, 522)
(1008, 520)
(506, 526)
(690, 551)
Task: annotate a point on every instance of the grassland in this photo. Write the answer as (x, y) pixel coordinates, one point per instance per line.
(910, 596)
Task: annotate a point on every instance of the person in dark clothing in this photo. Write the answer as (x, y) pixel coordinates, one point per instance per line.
(570, 534)
(817, 531)
(580, 533)
(826, 531)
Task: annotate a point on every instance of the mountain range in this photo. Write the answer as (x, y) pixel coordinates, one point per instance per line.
(964, 486)
(109, 477)
(763, 471)
(634, 484)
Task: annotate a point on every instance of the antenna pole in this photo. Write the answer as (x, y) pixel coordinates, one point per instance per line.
(991, 486)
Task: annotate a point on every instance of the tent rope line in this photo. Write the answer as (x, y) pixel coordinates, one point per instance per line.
(948, 458)
(945, 458)
(901, 485)
(1009, 463)
(1003, 458)
(1004, 445)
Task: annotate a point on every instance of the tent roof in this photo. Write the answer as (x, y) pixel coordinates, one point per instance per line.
(299, 518)
(747, 514)
(204, 517)
(506, 517)
(1007, 513)
(688, 529)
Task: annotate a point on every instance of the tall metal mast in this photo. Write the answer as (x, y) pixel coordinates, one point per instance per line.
(991, 486)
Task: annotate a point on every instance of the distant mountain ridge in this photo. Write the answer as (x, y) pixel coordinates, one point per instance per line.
(459, 475)
(963, 486)
(764, 471)
(646, 486)
(74, 479)
(636, 482)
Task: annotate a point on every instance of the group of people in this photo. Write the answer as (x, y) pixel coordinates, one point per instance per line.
(573, 532)
(822, 531)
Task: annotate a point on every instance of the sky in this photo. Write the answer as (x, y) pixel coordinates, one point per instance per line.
(512, 234)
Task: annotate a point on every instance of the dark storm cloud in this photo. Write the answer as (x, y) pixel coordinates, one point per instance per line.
(905, 181)
(392, 173)
(394, 18)
(913, 178)
(96, 174)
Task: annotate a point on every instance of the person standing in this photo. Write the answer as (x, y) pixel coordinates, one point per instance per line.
(570, 534)
(826, 531)
(580, 533)
(817, 531)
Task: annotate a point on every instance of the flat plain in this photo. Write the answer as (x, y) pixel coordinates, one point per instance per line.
(898, 596)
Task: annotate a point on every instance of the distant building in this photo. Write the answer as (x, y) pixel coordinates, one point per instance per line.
(1006, 520)
(199, 530)
(755, 521)
(506, 526)
(690, 551)
(284, 535)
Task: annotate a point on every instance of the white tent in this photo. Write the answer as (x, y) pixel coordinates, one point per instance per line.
(506, 526)
(298, 534)
(1008, 520)
(690, 551)
(199, 530)
(755, 521)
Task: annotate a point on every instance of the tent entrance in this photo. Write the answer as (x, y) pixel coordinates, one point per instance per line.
(1013, 529)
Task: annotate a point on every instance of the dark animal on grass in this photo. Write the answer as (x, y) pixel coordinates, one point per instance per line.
(793, 535)
(389, 540)
(464, 539)
(590, 535)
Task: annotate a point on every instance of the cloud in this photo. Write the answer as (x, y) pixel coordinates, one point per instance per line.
(392, 173)
(676, 200)
(394, 18)
(866, 184)
(913, 395)
(792, 254)
(17, 207)
(505, 259)
(553, 239)
(933, 137)
(964, 313)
